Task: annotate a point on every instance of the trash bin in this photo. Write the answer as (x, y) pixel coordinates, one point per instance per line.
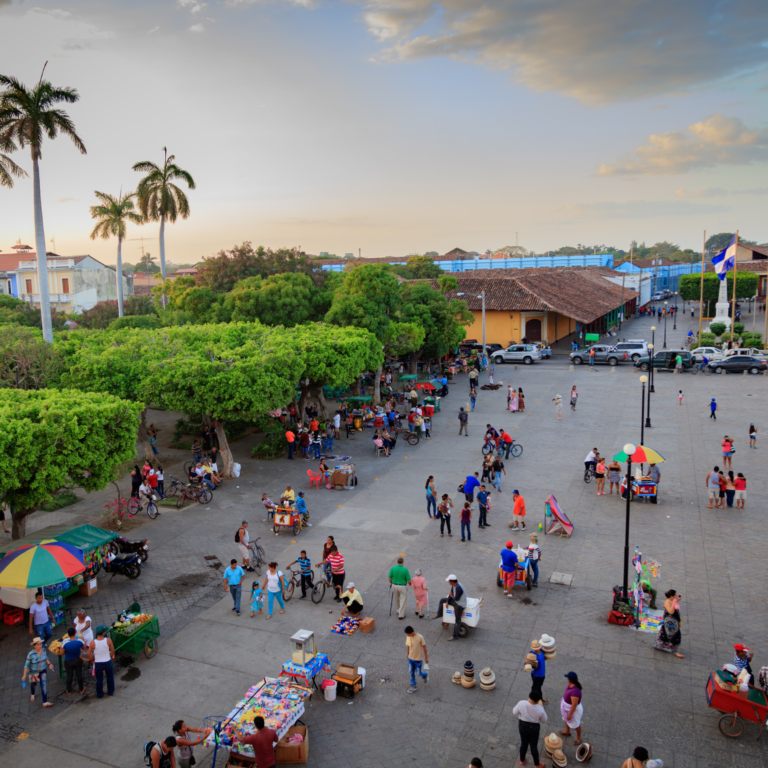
(361, 672)
(329, 690)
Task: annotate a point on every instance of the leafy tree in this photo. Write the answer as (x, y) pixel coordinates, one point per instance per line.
(690, 287)
(26, 360)
(160, 199)
(9, 169)
(26, 116)
(100, 316)
(716, 243)
(221, 272)
(18, 312)
(424, 267)
(146, 264)
(140, 321)
(285, 299)
(113, 214)
(52, 439)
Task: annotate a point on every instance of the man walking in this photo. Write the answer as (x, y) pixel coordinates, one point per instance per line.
(399, 579)
(518, 513)
(538, 674)
(291, 438)
(482, 501)
(592, 356)
(463, 419)
(473, 379)
(263, 743)
(243, 539)
(233, 581)
(713, 410)
(470, 484)
(457, 599)
(41, 619)
(416, 651)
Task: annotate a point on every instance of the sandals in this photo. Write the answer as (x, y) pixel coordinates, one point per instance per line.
(48, 704)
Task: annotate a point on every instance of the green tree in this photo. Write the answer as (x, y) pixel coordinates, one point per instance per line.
(146, 264)
(716, 243)
(424, 267)
(160, 199)
(52, 439)
(18, 312)
(27, 115)
(690, 287)
(113, 214)
(9, 169)
(26, 360)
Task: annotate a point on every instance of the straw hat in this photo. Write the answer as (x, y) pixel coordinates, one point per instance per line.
(536, 645)
(456, 678)
(469, 669)
(487, 676)
(468, 682)
(36, 640)
(584, 752)
(527, 668)
(532, 659)
(559, 759)
(487, 686)
(552, 742)
(546, 639)
(549, 656)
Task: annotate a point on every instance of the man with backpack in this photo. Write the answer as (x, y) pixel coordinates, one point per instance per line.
(160, 754)
(242, 539)
(463, 419)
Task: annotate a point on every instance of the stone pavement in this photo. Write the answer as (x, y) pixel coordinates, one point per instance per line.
(632, 694)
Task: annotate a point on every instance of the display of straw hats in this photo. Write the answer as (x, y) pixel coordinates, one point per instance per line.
(548, 646)
(467, 682)
(532, 660)
(456, 678)
(469, 669)
(559, 759)
(552, 743)
(527, 668)
(584, 752)
(536, 645)
(487, 679)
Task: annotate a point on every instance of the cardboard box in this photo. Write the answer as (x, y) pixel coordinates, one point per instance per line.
(240, 761)
(293, 753)
(88, 588)
(367, 624)
(346, 672)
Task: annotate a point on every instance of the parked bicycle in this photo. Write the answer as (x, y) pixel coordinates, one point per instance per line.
(412, 438)
(326, 582)
(197, 493)
(173, 486)
(258, 556)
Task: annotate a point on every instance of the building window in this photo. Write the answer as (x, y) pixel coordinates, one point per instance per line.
(65, 285)
(29, 285)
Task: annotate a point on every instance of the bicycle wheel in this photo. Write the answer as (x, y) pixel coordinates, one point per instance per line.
(707, 371)
(180, 501)
(694, 370)
(588, 475)
(133, 506)
(318, 592)
(173, 489)
(288, 589)
(187, 466)
(296, 528)
(487, 448)
(412, 438)
(516, 449)
(152, 510)
(205, 496)
(731, 725)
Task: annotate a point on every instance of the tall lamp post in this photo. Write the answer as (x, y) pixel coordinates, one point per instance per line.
(674, 317)
(650, 346)
(479, 296)
(650, 388)
(629, 449)
(643, 380)
(665, 325)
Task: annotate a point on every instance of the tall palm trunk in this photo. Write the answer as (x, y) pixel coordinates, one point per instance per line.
(162, 254)
(42, 260)
(119, 276)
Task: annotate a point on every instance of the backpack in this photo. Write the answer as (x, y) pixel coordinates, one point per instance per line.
(463, 417)
(237, 535)
(148, 747)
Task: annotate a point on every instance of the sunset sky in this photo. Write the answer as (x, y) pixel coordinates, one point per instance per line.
(401, 126)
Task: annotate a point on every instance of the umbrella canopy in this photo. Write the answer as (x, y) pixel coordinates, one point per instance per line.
(38, 565)
(642, 455)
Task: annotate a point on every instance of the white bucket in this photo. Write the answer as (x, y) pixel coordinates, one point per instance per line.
(330, 692)
(361, 672)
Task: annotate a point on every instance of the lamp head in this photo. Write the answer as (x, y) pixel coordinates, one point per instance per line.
(650, 346)
(653, 327)
(643, 379)
(629, 449)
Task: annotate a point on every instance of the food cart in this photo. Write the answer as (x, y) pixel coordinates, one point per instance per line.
(737, 705)
(357, 418)
(643, 488)
(134, 632)
(305, 662)
(287, 517)
(343, 476)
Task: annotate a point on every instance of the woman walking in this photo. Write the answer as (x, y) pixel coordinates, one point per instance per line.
(35, 665)
(431, 496)
(444, 512)
(741, 490)
(571, 709)
(274, 585)
(558, 401)
(420, 592)
(509, 396)
(752, 436)
(531, 715)
(135, 481)
(520, 400)
(513, 401)
(614, 476)
(487, 468)
(574, 397)
(670, 636)
(600, 476)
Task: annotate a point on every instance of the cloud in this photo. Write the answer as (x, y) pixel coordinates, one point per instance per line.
(56, 13)
(700, 192)
(68, 200)
(640, 209)
(717, 140)
(153, 30)
(193, 6)
(756, 191)
(597, 51)
(197, 28)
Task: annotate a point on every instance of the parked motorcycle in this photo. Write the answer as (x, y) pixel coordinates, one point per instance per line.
(126, 565)
(121, 545)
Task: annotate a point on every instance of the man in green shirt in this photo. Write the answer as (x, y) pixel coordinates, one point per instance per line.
(399, 579)
(679, 363)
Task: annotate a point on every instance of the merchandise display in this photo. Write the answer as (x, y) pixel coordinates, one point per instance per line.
(308, 671)
(345, 626)
(487, 679)
(280, 703)
(128, 623)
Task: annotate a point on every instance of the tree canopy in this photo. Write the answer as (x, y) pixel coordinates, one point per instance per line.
(56, 438)
(690, 286)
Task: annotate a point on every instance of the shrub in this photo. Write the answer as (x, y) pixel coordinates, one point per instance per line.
(717, 328)
(706, 340)
(738, 328)
(272, 446)
(135, 321)
(726, 336)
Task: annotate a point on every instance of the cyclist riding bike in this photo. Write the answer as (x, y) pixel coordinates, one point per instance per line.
(704, 363)
(491, 433)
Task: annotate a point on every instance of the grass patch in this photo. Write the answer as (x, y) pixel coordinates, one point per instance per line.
(167, 503)
(62, 499)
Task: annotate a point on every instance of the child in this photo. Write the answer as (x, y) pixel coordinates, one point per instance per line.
(427, 427)
(680, 397)
(534, 555)
(257, 598)
(490, 376)
(424, 427)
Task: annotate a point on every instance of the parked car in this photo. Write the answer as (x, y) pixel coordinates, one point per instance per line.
(546, 351)
(635, 348)
(739, 364)
(473, 346)
(710, 352)
(657, 296)
(666, 360)
(745, 352)
(517, 353)
(605, 354)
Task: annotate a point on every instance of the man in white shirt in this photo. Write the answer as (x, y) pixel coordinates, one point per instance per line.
(145, 491)
(591, 460)
(531, 715)
(336, 424)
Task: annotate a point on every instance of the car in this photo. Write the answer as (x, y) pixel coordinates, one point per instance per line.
(710, 352)
(473, 346)
(657, 297)
(546, 352)
(635, 348)
(605, 354)
(517, 353)
(739, 364)
(744, 352)
(666, 360)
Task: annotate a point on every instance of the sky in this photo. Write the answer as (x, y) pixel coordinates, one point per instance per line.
(388, 127)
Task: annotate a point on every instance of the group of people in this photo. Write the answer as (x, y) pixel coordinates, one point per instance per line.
(725, 488)
(147, 480)
(515, 399)
(312, 437)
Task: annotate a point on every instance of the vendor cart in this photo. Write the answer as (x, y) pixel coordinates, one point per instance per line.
(287, 517)
(523, 574)
(737, 705)
(469, 617)
(643, 489)
(136, 638)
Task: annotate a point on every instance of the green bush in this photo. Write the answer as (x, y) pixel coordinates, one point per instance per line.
(707, 340)
(738, 328)
(272, 446)
(717, 328)
(726, 336)
(135, 321)
(62, 499)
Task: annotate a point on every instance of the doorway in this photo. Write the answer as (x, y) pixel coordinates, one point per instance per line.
(533, 330)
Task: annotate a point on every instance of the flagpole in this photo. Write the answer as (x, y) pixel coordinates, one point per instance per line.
(701, 294)
(735, 262)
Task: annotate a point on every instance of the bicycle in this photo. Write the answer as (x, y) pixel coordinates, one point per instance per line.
(290, 585)
(318, 590)
(136, 505)
(589, 473)
(492, 444)
(174, 486)
(258, 556)
(705, 369)
(198, 493)
(412, 438)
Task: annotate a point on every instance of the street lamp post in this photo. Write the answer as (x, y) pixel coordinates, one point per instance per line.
(629, 449)
(482, 296)
(650, 388)
(665, 325)
(650, 346)
(674, 317)
(643, 380)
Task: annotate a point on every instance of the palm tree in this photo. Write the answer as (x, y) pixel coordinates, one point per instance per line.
(9, 169)
(159, 198)
(27, 116)
(113, 214)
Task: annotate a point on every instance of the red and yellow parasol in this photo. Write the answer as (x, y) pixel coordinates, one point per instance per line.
(642, 455)
(38, 565)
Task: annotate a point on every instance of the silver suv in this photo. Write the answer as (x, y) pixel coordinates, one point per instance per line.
(635, 348)
(517, 353)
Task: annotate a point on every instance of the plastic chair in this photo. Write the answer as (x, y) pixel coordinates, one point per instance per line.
(328, 444)
(314, 477)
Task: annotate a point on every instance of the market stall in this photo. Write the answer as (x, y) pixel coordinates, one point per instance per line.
(305, 662)
(643, 488)
(343, 476)
(134, 632)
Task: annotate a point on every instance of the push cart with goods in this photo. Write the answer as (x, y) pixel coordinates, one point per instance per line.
(287, 517)
(723, 694)
(469, 617)
(136, 637)
(523, 574)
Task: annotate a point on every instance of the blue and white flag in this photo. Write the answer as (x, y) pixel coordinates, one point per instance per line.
(726, 259)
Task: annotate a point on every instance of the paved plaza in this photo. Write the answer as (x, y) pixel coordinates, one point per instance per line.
(633, 695)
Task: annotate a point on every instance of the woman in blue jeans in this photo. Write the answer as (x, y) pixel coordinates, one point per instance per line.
(431, 497)
(274, 584)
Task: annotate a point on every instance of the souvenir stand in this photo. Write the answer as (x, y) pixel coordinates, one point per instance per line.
(305, 662)
(555, 520)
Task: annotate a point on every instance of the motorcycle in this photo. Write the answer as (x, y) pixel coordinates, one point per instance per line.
(126, 565)
(121, 545)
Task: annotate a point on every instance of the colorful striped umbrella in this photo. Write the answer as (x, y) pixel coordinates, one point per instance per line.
(642, 455)
(38, 565)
